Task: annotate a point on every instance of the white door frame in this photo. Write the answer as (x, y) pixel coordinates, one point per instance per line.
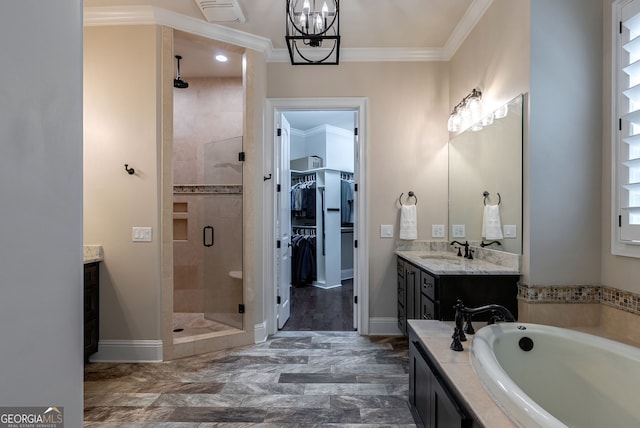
(273, 107)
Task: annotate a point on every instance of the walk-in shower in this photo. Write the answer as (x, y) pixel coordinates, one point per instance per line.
(207, 209)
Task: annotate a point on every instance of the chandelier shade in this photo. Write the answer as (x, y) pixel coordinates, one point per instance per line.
(313, 31)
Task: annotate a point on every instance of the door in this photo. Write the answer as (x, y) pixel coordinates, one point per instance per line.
(283, 225)
(221, 231)
(356, 175)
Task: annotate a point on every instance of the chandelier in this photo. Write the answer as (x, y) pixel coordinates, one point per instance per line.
(313, 34)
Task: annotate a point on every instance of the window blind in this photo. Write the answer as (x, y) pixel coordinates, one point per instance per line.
(628, 147)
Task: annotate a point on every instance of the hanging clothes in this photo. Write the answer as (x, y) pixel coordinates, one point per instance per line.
(303, 199)
(303, 260)
(347, 192)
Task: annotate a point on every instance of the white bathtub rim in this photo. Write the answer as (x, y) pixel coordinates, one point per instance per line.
(524, 411)
(504, 391)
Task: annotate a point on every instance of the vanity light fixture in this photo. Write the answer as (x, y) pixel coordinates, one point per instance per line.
(313, 34)
(467, 113)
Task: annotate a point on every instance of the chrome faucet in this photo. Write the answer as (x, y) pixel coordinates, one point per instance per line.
(498, 313)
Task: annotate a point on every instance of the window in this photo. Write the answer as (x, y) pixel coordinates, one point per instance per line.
(626, 141)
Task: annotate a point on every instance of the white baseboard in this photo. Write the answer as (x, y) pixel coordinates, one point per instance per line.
(128, 351)
(384, 327)
(260, 332)
(346, 274)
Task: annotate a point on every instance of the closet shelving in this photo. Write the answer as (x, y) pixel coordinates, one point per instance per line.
(327, 225)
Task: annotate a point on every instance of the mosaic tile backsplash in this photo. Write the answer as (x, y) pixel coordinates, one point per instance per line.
(619, 299)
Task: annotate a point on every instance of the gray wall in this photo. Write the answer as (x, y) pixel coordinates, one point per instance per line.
(564, 182)
(41, 192)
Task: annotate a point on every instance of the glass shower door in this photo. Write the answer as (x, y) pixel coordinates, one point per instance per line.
(222, 232)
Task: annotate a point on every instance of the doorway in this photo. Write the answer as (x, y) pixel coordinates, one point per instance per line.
(208, 110)
(320, 206)
(319, 217)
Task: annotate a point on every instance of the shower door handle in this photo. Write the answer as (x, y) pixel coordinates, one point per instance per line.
(207, 236)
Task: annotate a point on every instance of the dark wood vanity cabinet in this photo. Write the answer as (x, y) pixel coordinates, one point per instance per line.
(91, 309)
(409, 299)
(433, 401)
(424, 295)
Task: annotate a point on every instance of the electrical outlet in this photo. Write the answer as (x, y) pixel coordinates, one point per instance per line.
(141, 234)
(437, 230)
(458, 231)
(509, 231)
(386, 231)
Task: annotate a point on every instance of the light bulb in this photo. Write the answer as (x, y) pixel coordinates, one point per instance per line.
(474, 105)
(325, 10)
(501, 112)
(303, 21)
(487, 120)
(306, 7)
(319, 24)
(465, 118)
(451, 123)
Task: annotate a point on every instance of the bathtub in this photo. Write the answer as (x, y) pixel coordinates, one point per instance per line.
(544, 376)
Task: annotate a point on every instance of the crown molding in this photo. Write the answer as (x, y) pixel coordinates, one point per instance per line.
(150, 15)
(468, 22)
(373, 55)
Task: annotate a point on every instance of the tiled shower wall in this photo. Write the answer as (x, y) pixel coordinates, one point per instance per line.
(206, 113)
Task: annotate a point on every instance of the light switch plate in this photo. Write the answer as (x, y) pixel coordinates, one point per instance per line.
(141, 234)
(386, 231)
(458, 231)
(509, 231)
(437, 230)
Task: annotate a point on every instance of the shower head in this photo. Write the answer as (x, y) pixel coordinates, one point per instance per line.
(178, 82)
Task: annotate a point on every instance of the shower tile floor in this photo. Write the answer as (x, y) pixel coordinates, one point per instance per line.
(294, 379)
(194, 326)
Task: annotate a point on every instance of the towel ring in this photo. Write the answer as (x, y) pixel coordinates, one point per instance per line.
(409, 195)
(486, 195)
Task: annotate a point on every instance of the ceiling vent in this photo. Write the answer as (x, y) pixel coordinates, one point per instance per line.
(221, 10)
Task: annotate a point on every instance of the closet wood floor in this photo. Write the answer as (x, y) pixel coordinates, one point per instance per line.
(294, 379)
(318, 309)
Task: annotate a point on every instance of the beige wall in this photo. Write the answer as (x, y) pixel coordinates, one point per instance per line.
(406, 147)
(495, 56)
(121, 125)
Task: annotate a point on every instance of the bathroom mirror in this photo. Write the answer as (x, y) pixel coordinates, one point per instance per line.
(488, 160)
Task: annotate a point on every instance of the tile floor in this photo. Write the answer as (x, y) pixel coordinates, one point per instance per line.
(295, 379)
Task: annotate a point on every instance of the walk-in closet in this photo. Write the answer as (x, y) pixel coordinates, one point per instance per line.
(322, 191)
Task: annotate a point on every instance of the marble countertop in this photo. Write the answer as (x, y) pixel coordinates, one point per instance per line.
(92, 253)
(436, 338)
(448, 263)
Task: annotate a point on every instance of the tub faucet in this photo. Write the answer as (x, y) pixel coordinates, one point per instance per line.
(498, 313)
(466, 248)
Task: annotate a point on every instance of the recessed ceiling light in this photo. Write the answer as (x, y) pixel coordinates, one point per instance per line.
(221, 58)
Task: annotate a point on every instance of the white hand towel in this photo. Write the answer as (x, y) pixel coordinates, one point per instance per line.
(408, 222)
(491, 226)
